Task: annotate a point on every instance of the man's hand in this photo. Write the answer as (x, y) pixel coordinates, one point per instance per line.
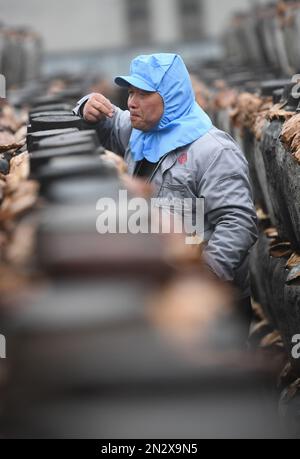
(97, 108)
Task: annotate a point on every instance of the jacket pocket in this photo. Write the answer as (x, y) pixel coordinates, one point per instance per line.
(181, 191)
(170, 191)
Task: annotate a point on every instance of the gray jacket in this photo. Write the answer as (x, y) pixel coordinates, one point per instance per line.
(215, 169)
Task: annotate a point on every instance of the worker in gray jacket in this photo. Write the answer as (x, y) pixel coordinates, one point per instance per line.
(166, 137)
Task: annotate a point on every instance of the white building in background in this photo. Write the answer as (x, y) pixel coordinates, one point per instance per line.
(69, 25)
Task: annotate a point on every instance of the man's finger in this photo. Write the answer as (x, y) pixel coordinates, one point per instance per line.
(103, 107)
(94, 112)
(88, 110)
(91, 117)
(100, 98)
(101, 103)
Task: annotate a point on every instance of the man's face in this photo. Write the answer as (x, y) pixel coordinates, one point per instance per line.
(146, 108)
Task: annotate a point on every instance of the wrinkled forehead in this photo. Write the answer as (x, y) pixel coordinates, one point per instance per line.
(132, 88)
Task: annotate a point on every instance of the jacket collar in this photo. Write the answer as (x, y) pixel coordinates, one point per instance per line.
(164, 164)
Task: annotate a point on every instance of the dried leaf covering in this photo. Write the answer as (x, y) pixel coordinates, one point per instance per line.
(226, 98)
(290, 393)
(19, 172)
(258, 311)
(8, 142)
(274, 339)
(293, 277)
(293, 261)
(251, 112)
(19, 250)
(259, 332)
(261, 215)
(287, 376)
(286, 13)
(19, 194)
(11, 120)
(202, 94)
(20, 201)
(247, 106)
(293, 264)
(271, 233)
(290, 136)
(277, 112)
(280, 249)
(260, 119)
(13, 129)
(12, 282)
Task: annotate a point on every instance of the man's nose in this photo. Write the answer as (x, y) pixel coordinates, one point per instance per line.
(132, 102)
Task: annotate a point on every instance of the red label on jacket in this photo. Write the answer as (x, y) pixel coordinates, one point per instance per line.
(182, 158)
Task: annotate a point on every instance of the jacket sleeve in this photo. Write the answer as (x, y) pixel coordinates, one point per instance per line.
(229, 211)
(114, 134)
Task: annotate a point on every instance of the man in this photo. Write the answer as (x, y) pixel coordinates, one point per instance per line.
(166, 137)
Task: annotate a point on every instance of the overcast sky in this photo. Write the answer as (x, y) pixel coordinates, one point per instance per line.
(78, 24)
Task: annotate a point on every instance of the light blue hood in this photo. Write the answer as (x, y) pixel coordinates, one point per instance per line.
(183, 120)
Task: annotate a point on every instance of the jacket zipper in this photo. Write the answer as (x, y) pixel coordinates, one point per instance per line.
(157, 167)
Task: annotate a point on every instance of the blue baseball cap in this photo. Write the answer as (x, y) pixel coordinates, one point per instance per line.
(147, 72)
